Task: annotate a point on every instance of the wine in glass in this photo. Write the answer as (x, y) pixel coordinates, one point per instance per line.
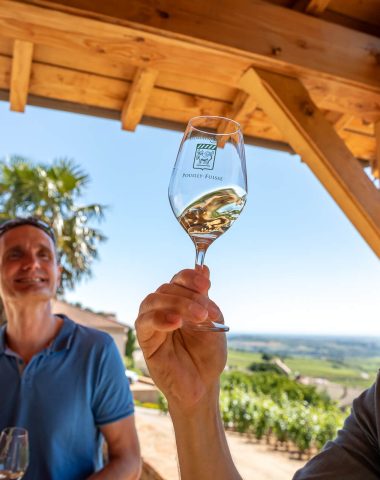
(14, 453)
(208, 186)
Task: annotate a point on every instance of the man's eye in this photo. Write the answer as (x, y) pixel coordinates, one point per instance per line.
(14, 255)
(45, 255)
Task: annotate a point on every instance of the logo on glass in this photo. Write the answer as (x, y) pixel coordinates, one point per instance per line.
(204, 158)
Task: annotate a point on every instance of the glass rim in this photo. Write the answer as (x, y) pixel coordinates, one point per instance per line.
(229, 120)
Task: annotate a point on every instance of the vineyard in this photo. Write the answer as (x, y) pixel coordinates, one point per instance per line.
(273, 407)
(276, 409)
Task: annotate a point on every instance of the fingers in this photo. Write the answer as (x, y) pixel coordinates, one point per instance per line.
(174, 289)
(197, 280)
(156, 321)
(152, 330)
(188, 305)
(171, 306)
(182, 301)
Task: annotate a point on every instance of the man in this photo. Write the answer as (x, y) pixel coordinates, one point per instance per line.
(186, 366)
(63, 382)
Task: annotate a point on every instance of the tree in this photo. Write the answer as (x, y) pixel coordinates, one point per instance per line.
(130, 346)
(51, 192)
(266, 357)
(264, 367)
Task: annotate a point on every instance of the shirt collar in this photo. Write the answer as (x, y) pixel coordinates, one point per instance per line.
(65, 335)
(62, 341)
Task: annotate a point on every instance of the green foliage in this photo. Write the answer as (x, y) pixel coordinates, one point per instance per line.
(266, 357)
(265, 367)
(130, 346)
(51, 192)
(267, 404)
(268, 383)
(152, 406)
(162, 403)
(348, 373)
(239, 359)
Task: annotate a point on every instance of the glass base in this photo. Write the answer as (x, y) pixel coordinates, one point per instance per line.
(207, 326)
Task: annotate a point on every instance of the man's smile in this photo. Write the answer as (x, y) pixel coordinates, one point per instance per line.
(30, 280)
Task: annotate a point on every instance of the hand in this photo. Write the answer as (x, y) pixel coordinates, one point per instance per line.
(185, 364)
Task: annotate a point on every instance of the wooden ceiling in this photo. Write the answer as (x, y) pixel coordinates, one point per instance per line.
(302, 75)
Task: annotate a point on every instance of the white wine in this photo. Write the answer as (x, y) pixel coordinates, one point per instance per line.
(211, 215)
(8, 475)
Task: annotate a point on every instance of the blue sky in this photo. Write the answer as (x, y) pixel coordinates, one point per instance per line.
(292, 263)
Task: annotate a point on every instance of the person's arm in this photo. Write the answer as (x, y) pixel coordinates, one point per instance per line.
(203, 452)
(112, 406)
(186, 366)
(355, 453)
(123, 451)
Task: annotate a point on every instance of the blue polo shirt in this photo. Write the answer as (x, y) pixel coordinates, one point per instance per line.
(62, 397)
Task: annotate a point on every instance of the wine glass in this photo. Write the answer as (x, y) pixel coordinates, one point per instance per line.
(14, 453)
(208, 186)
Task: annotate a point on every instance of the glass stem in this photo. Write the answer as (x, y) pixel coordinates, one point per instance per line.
(200, 254)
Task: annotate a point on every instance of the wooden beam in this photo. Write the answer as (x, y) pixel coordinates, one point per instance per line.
(97, 93)
(343, 98)
(328, 95)
(278, 39)
(241, 109)
(138, 95)
(316, 7)
(291, 109)
(342, 122)
(376, 162)
(361, 146)
(20, 75)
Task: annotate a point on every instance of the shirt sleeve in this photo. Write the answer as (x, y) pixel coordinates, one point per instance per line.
(112, 398)
(354, 454)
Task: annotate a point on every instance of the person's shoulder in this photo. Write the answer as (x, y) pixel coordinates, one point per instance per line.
(93, 336)
(90, 336)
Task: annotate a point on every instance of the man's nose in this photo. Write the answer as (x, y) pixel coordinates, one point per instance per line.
(30, 261)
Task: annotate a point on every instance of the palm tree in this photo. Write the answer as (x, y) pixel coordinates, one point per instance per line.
(51, 192)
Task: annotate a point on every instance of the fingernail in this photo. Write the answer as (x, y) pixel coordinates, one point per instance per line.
(198, 311)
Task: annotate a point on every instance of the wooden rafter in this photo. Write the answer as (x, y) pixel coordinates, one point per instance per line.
(291, 109)
(20, 75)
(63, 88)
(316, 7)
(279, 39)
(243, 106)
(342, 122)
(138, 95)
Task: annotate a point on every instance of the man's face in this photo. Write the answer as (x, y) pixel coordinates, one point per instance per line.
(28, 264)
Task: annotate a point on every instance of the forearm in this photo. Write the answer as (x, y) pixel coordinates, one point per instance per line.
(119, 469)
(202, 447)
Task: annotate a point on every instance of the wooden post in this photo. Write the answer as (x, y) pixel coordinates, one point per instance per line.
(134, 106)
(288, 104)
(20, 75)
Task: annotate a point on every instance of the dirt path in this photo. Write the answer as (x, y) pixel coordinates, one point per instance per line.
(254, 461)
